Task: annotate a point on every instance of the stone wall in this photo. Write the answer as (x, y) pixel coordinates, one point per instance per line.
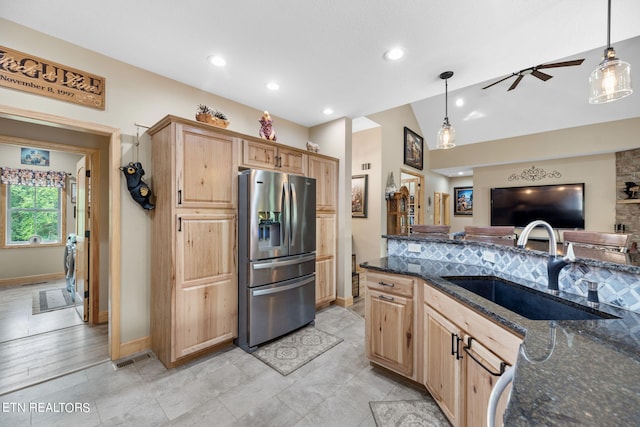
(628, 170)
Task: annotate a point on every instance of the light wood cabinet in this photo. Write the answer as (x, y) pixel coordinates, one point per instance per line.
(325, 172)
(270, 156)
(460, 350)
(326, 250)
(193, 239)
(398, 213)
(390, 322)
(442, 370)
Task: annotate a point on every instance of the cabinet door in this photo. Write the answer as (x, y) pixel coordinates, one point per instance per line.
(442, 367)
(291, 161)
(389, 331)
(325, 171)
(325, 258)
(205, 169)
(325, 280)
(206, 296)
(482, 370)
(258, 155)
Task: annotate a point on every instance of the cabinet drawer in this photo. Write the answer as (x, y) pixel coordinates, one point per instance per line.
(390, 283)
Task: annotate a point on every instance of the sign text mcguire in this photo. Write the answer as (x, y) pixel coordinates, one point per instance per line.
(47, 78)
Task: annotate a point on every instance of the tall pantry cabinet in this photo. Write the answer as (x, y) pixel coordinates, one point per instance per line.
(193, 239)
(325, 171)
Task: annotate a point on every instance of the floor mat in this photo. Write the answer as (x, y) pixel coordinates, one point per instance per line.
(403, 413)
(50, 300)
(296, 349)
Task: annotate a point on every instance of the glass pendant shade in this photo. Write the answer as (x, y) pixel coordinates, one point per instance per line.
(446, 136)
(611, 80)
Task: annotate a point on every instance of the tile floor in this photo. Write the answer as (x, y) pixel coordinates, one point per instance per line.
(228, 388)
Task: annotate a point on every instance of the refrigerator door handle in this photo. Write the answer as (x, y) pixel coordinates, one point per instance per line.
(279, 263)
(285, 209)
(278, 289)
(294, 214)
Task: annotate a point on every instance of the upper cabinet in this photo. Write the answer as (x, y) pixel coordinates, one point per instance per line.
(202, 169)
(325, 171)
(265, 155)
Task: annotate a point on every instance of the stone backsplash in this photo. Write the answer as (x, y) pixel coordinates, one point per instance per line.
(616, 286)
(628, 170)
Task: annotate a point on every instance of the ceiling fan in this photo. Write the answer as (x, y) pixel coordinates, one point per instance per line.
(535, 71)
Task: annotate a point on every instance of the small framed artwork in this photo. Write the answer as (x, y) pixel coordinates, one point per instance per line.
(359, 196)
(463, 200)
(413, 149)
(34, 157)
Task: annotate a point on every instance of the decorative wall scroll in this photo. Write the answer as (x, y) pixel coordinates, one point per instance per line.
(29, 73)
(534, 174)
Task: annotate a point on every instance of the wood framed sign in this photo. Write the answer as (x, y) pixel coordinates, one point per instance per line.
(29, 73)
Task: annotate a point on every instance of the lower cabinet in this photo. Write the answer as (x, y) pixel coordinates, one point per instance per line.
(326, 249)
(464, 354)
(441, 360)
(390, 323)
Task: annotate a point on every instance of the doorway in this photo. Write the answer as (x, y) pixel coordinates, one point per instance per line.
(414, 184)
(441, 209)
(108, 140)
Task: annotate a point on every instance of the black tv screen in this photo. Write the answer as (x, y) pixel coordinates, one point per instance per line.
(562, 206)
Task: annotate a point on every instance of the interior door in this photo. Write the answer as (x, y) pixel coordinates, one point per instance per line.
(81, 296)
(437, 210)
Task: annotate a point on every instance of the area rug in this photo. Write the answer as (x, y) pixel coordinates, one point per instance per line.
(296, 349)
(404, 413)
(50, 300)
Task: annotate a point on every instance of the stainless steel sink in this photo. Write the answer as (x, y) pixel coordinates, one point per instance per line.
(525, 301)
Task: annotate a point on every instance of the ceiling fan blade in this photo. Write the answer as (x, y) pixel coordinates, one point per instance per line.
(499, 81)
(542, 76)
(516, 83)
(561, 64)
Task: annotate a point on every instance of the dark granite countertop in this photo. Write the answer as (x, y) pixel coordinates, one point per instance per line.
(588, 376)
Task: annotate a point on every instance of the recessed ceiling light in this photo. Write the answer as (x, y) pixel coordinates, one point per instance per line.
(394, 54)
(461, 173)
(217, 60)
(327, 111)
(273, 86)
(459, 102)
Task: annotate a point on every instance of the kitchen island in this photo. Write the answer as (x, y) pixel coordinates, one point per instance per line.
(567, 372)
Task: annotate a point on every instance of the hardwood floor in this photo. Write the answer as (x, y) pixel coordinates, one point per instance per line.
(17, 319)
(35, 348)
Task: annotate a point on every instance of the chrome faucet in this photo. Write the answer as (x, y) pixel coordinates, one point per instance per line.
(555, 263)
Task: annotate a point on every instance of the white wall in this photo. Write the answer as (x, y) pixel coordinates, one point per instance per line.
(35, 260)
(367, 148)
(132, 96)
(334, 139)
(597, 172)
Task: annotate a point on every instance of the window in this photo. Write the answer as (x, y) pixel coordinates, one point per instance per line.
(33, 211)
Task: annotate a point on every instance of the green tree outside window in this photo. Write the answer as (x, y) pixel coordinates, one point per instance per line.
(33, 211)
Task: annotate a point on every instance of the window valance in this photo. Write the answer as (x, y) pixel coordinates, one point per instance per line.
(32, 178)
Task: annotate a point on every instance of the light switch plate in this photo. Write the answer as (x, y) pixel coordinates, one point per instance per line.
(413, 247)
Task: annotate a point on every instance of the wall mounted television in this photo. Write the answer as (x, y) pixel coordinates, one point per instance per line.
(560, 205)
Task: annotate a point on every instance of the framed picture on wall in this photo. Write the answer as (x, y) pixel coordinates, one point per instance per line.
(359, 196)
(463, 201)
(413, 149)
(34, 157)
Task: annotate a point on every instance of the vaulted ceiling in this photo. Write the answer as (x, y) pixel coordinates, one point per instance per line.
(329, 53)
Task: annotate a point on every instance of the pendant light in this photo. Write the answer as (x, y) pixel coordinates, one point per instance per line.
(446, 134)
(611, 80)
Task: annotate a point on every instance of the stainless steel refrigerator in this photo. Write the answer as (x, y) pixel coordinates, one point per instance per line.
(276, 255)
